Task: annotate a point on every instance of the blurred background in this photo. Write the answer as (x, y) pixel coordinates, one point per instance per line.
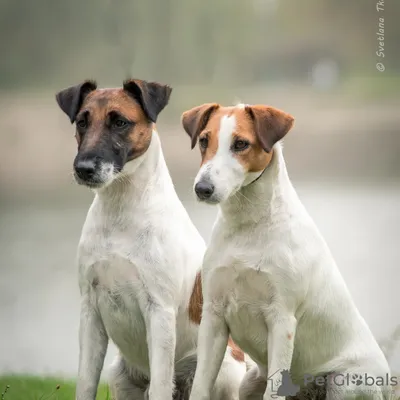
(316, 59)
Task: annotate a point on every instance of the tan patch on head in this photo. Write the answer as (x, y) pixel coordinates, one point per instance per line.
(254, 158)
(210, 132)
(100, 103)
(196, 301)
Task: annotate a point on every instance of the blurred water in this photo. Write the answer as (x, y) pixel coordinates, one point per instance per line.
(39, 300)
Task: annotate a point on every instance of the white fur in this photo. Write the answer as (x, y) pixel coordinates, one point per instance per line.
(138, 257)
(106, 173)
(270, 280)
(224, 170)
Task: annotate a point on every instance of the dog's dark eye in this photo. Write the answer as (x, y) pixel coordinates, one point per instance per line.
(240, 145)
(203, 142)
(120, 123)
(81, 124)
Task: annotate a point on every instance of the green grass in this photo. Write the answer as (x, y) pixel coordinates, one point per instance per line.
(34, 388)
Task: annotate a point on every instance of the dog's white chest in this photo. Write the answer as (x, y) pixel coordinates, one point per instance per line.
(247, 279)
(244, 311)
(116, 288)
(244, 294)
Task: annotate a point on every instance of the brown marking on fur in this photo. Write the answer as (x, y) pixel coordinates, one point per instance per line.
(289, 336)
(196, 301)
(254, 158)
(100, 103)
(102, 100)
(236, 351)
(195, 312)
(270, 124)
(195, 119)
(211, 131)
(259, 125)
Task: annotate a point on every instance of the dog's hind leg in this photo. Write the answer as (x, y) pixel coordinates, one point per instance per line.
(226, 385)
(125, 382)
(229, 378)
(253, 385)
(184, 375)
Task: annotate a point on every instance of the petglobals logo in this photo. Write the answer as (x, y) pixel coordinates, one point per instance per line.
(352, 379)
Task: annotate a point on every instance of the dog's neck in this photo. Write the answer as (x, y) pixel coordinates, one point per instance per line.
(267, 195)
(144, 181)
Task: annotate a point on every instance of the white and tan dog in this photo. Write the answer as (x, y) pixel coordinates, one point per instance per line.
(139, 254)
(269, 278)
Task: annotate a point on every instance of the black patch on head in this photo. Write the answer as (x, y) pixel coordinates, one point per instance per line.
(151, 96)
(107, 144)
(70, 100)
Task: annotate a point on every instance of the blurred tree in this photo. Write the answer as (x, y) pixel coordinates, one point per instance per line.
(197, 42)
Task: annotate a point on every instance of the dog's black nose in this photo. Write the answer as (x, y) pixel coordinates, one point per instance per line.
(204, 190)
(85, 169)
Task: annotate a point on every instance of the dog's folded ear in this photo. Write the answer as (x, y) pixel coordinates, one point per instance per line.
(70, 100)
(270, 124)
(196, 119)
(152, 96)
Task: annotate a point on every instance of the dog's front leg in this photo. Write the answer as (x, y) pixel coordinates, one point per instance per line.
(281, 333)
(213, 339)
(161, 341)
(93, 341)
